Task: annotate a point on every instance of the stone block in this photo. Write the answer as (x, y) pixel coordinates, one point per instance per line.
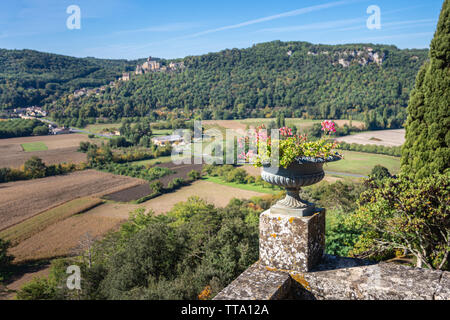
(257, 283)
(293, 243)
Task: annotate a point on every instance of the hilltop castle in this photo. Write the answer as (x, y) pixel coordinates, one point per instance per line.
(152, 65)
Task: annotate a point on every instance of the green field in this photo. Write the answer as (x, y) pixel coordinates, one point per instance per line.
(250, 187)
(362, 163)
(162, 132)
(34, 146)
(152, 161)
(289, 121)
(100, 127)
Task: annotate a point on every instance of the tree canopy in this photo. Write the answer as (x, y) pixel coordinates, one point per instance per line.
(314, 81)
(29, 77)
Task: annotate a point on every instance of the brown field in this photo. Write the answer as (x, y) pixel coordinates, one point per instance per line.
(217, 194)
(52, 141)
(21, 200)
(390, 138)
(64, 237)
(341, 123)
(25, 229)
(61, 148)
(130, 194)
(227, 124)
(181, 170)
(17, 159)
(138, 192)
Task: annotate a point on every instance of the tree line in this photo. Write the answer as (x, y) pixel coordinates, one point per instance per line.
(29, 77)
(22, 128)
(261, 80)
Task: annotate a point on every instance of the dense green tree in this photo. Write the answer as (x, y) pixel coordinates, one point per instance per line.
(427, 147)
(138, 134)
(379, 172)
(5, 259)
(35, 168)
(40, 131)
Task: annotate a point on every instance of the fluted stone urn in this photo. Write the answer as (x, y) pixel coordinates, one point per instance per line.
(301, 173)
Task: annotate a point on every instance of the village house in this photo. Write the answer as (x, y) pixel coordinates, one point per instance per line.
(79, 93)
(139, 70)
(172, 140)
(29, 112)
(58, 131)
(176, 65)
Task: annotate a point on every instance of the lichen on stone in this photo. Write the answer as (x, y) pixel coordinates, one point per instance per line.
(300, 279)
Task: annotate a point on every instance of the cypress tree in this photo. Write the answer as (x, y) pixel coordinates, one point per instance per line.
(427, 147)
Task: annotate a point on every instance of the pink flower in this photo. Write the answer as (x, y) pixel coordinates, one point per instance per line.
(328, 126)
(286, 132)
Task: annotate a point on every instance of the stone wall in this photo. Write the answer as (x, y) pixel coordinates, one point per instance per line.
(338, 278)
(292, 266)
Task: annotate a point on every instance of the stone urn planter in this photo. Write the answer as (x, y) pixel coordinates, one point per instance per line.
(303, 172)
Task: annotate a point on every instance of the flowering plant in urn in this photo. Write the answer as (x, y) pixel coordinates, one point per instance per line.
(291, 161)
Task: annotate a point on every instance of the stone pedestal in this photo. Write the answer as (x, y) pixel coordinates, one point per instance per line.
(288, 242)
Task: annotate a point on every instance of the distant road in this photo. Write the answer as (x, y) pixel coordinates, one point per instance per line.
(87, 132)
(76, 130)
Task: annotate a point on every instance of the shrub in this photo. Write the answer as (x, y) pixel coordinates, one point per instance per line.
(194, 175)
(406, 214)
(35, 168)
(5, 258)
(37, 289)
(236, 175)
(250, 179)
(119, 142)
(175, 183)
(156, 186)
(339, 195)
(340, 236)
(5, 174)
(84, 146)
(379, 172)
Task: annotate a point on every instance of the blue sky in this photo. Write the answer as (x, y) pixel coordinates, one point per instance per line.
(173, 29)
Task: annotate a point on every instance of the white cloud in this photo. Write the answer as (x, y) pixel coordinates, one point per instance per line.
(315, 26)
(273, 17)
